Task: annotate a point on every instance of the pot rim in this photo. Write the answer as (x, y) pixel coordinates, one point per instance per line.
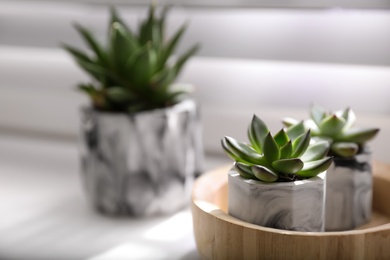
(180, 107)
(320, 177)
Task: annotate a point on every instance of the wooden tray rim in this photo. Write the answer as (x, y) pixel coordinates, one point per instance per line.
(215, 211)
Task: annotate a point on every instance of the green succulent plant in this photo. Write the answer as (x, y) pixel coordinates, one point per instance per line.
(336, 127)
(134, 71)
(286, 156)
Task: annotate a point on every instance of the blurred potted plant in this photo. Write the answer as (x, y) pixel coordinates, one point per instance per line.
(278, 181)
(141, 137)
(349, 179)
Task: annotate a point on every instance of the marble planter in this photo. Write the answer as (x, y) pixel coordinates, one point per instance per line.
(349, 192)
(141, 164)
(297, 206)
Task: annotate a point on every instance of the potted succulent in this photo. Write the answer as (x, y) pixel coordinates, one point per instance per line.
(141, 138)
(278, 181)
(349, 179)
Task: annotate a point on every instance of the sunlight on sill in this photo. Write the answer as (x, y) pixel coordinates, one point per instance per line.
(169, 230)
(131, 250)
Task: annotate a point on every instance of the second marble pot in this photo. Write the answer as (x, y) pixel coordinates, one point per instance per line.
(298, 206)
(141, 164)
(349, 192)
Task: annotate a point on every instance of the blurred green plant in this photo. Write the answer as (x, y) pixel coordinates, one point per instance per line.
(286, 156)
(135, 70)
(336, 128)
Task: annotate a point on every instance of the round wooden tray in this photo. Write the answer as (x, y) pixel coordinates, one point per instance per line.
(221, 236)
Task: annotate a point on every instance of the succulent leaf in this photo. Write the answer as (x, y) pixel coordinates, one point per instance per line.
(183, 59)
(271, 149)
(332, 124)
(246, 153)
(95, 70)
(264, 174)
(288, 121)
(296, 130)
(311, 169)
(257, 132)
(168, 51)
(300, 144)
(278, 158)
(245, 170)
(77, 54)
(92, 43)
(148, 29)
(122, 46)
(349, 117)
(89, 90)
(317, 113)
(281, 138)
(119, 94)
(138, 62)
(286, 150)
(358, 135)
(316, 151)
(229, 151)
(289, 166)
(143, 68)
(344, 149)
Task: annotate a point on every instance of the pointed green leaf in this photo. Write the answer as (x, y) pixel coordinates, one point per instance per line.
(171, 45)
(311, 169)
(97, 98)
(288, 166)
(119, 94)
(92, 43)
(332, 125)
(349, 117)
(271, 149)
(144, 67)
(148, 28)
(316, 151)
(257, 132)
(317, 113)
(163, 79)
(264, 174)
(281, 138)
(77, 54)
(296, 130)
(358, 135)
(245, 170)
(309, 124)
(90, 90)
(229, 151)
(121, 46)
(288, 122)
(286, 150)
(115, 18)
(244, 152)
(300, 144)
(183, 59)
(344, 149)
(96, 71)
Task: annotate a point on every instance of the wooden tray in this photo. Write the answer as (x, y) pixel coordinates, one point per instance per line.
(220, 236)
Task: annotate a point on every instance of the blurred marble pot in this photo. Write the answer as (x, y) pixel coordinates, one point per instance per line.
(298, 206)
(141, 164)
(349, 192)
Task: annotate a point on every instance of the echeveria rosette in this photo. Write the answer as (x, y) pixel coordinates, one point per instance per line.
(135, 70)
(286, 156)
(337, 128)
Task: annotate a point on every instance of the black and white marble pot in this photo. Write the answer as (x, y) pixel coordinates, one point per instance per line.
(298, 205)
(141, 164)
(349, 192)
